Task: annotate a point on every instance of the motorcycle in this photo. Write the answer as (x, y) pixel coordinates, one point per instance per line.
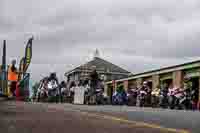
(176, 98)
(194, 98)
(99, 97)
(142, 98)
(86, 96)
(148, 97)
(186, 100)
(42, 93)
(155, 97)
(132, 97)
(119, 98)
(93, 96)
(163, 98)
(171, 98)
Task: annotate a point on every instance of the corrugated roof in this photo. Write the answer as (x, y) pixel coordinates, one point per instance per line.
(132, 76)
(165, 68)
(101, 65)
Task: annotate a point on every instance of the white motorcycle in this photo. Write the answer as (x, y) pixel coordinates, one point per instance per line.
(176, 98)
(155, 96)
(142, 98)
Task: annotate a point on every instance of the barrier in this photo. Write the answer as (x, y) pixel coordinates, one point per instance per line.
(3, 83)
(22, 88)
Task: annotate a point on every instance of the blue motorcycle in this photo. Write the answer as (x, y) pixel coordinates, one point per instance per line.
(119, 98)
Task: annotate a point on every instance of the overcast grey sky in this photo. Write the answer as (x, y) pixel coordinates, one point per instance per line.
(138, 35)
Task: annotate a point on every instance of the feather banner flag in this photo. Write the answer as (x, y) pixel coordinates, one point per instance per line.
(28, 55)
(21, 66)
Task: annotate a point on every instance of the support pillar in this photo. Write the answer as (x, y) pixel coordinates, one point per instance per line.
(199, 95)
(106, 89)
(156, 81)
(125, 83)
(178, 79)
(139, 82)
(114, 85)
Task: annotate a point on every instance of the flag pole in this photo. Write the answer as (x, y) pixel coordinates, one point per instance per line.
(3, 69)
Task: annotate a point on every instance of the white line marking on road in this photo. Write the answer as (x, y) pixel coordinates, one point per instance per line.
(136, 123)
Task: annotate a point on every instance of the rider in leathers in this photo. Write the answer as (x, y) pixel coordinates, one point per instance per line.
(54, 89)
(94, 80)
(43, 89)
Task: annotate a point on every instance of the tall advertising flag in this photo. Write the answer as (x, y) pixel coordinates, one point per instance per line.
(3, 74)
(21, 65)
(28, 55)
(4, 56)
(3, 67)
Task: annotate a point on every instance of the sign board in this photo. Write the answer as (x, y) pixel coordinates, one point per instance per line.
(166, 76)
(189, 66)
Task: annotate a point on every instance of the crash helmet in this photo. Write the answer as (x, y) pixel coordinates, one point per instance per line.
(13, 62)
(45, 79)
(63, 83)
(52, 75)
(145, 83)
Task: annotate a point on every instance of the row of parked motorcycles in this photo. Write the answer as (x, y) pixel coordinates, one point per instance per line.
(177, 98)
(174, 98)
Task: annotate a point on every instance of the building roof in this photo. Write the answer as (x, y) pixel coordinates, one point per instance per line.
(100, 65)
(169, 67)
(183, 66)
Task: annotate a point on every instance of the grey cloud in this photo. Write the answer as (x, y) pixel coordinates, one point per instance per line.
(5, 25)
(137, 35)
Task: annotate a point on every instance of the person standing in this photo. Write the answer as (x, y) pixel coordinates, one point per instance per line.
(94, 80)
(62, 88)
(12, 77)
(42, 91)
(71, 91)
(53, 87)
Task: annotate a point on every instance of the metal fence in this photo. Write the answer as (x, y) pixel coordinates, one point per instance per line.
(24, 87)
(3, 82)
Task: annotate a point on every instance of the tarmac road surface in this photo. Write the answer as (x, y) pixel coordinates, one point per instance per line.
(176, 119)
(19, 117)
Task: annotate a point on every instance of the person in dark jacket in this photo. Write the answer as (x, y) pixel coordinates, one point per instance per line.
(61, 86)
(54, 85)
(94, 80)
(71, 92)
